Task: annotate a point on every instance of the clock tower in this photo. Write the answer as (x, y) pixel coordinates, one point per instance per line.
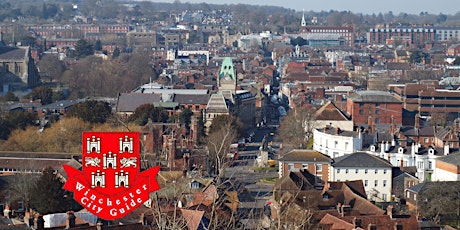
(227, 76)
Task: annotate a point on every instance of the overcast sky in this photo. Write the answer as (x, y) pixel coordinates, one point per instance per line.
(356, 6)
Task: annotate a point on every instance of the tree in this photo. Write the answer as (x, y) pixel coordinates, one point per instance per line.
(49, 196)
(91, 111)
(83, 48)
(299, 41)
(186, 117)
(44, 93)
(98, 45)
(5, 128)
(416, 56)
(457, 61)
(22, 188)
(9, 96)
(27, 41)
(218, 143)
(20, 119)
(222, 120)
(438, 200)
(146, 111)
(297, 127)
(51, 68)
(116, 52)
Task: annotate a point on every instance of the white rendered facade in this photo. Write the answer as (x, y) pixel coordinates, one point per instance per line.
(334, 145)
(425, 163)
(377, 181)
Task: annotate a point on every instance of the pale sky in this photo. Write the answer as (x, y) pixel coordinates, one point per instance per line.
(356, 6)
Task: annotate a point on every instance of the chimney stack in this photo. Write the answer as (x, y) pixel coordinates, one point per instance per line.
(417, 122)
(171, 152)
(390, 211)
(70, 220)
(39, 222)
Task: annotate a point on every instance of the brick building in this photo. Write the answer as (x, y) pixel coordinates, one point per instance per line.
(377, 107)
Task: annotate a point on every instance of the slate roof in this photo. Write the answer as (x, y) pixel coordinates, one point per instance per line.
(361, 159)
(398, 66)
(373, 96)
(191, 99)
(128, 102)
(12, 53)
(422, 131)
(217, 104)
(34, 164)
(304, 155)
(453, 159)
(62, 104)
(417, 188)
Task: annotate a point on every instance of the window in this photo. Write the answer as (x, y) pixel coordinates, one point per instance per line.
(377, 111)
(319, 167)
(335, 144)
(346, 171)
(356, 171)
(377, 105)
(361, 112)
(319, 179)
(385, 171)
(384, 183)
(415, 196)
(305, 166)
(376, 171)
(377, 120)
(361, 104)
(407, 194)
(366, 183)
(290, 167)
(376, 183)
(346, 145)
(365, 171)
(338, 171)
(426, 140)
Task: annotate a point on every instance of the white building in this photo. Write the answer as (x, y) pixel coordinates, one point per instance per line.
(375, 173)
(335, 142)
(447, 168)
(424, 159)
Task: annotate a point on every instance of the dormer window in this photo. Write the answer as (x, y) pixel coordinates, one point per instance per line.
(194, 185)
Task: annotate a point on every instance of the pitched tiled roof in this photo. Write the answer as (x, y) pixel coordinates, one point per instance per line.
(331, 222)
(304, 155)
(192, 218)
(361, 159)
(330, 112)
(373, 96)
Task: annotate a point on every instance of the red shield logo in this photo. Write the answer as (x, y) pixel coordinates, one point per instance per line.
(111, 184)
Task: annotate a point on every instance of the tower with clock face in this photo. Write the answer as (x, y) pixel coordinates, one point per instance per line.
(227, 76)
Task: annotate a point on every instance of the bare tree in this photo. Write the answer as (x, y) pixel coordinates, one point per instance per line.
(297, 127)
(218, 144)
(440, 201)
(21, 186)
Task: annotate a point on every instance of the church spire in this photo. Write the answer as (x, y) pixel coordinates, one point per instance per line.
(303, 23)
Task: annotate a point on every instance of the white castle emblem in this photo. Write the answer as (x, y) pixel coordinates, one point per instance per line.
(109, 160)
